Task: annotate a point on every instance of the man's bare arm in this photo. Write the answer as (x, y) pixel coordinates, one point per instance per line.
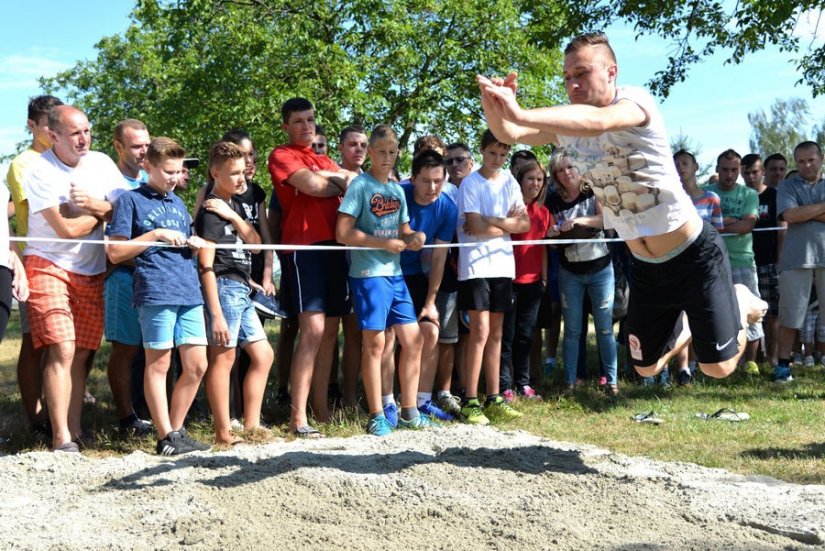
(70, 228)
(322, 183)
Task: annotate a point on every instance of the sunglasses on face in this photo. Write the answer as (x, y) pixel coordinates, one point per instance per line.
(456, 161)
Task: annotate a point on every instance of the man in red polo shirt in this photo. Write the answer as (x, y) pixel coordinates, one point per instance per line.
(309, 188)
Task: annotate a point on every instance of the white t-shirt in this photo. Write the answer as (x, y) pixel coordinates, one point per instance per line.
(47, 185)
(632, 174)
(493, 257)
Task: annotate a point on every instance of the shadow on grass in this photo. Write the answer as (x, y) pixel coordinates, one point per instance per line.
(808, 451)
(525, 459)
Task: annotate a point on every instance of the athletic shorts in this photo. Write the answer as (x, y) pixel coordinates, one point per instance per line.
(747, 277)
(795, 292)
(241, 317)
(120, 318)
(696, 281)
(315, 281)
(448, 316)
(167, 326)
(494, 294)
(768, 277)
(63, 306)
(381, 302)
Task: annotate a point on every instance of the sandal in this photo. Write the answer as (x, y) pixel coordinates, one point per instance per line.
(724, 414)
(647, 418)
(307, 432)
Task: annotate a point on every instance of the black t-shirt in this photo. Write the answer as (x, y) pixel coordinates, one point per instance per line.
(231, 263)
(765, 242)
(579, 258)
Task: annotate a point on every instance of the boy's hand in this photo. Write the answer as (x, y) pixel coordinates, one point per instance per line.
(568, 225)
(553, 231)
(221, 208)
(173, 237)
(429, 312)
(395, 246)
(195, 243)
(415, 242)
(220, 330)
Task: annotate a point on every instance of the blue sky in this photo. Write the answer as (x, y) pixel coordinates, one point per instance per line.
(711, 107)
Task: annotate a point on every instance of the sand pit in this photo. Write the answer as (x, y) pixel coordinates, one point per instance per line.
(454, 488)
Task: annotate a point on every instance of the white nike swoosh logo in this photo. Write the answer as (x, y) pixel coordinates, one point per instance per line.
(721, 346)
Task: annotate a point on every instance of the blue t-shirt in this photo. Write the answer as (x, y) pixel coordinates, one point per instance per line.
(163, 275)
(437, 221)
(378, 210)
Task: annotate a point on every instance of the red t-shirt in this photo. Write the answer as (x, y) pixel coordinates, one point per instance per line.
(529, 257)
(306, 219)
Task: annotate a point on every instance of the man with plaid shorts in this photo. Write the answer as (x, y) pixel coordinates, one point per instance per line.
(70, 190)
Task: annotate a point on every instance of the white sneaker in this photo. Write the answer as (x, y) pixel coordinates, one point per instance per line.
(809, 361)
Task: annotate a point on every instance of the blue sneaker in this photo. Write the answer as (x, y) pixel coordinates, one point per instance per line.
(419, 422)
(429, 409)
(782, 374)
(379, 426)
(391, 413)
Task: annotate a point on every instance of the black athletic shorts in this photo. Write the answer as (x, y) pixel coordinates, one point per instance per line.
(494, 294)
(315, 281)
(696, 281)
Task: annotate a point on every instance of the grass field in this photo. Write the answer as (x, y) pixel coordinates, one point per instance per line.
(784, 438)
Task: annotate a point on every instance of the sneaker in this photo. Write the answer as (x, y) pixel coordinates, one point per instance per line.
(200, 447)
(449, 404)
(419, 422)
(235, 424)
(429, 409)
(135, 426)
(391, 414)
(174, 444)
(549, 366)
(797, 359)
(471, 413)
(684, 378)
(267, 306)
(752, 368)
(379, 426)
(500, 410)
(602, 380)
(782, 374)
(529, 392)
(509, 396)
(808, 361)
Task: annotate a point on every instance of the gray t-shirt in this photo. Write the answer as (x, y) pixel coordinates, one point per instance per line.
(804, 245)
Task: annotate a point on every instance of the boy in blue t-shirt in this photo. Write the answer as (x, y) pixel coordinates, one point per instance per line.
(374, 214)
(150, 214)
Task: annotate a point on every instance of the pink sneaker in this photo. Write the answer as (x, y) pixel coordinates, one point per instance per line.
(529, 393)
(602, 380)
(509, 396)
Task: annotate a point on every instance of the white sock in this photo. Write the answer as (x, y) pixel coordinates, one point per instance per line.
(424, 397)
(442, 393)
(388, 399)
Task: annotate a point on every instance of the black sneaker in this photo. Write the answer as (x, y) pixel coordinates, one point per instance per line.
(198, 446)
(174, 444)
(135, 426)
(684, 378)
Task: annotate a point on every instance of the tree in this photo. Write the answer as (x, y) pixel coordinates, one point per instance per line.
(698, 28)
(787, 125)
(191, 69)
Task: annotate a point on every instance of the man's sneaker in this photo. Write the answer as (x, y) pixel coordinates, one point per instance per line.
(135, 426)
(808, 361)
(752, 368)
(450, 404)
(499, 410)
(174, 444)
(797, 359)
(509, 396)
(199, 446)
(419, 422)
(684, 378)
(267, 306)
(471, 413)
(429, 409)
(379, 426)
(529, 393)
(782, 374)
(391, 413)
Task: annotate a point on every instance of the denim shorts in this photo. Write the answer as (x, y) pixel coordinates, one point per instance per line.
(165, 326)
(243, 321)
(120, 318)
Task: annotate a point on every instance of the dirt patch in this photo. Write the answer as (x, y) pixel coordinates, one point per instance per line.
(453, 488)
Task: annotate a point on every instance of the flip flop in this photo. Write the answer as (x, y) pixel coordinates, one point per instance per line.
(307, 432)
(724, 414)
(648, 418)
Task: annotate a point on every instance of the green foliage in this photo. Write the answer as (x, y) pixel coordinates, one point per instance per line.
(787, 124)
(191, 69)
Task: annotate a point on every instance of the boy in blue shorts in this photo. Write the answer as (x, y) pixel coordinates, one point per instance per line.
(225, 274)
(374, 214)
(490, 208)
(149, 214)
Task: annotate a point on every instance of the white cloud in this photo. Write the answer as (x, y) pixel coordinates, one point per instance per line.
(22, 70)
